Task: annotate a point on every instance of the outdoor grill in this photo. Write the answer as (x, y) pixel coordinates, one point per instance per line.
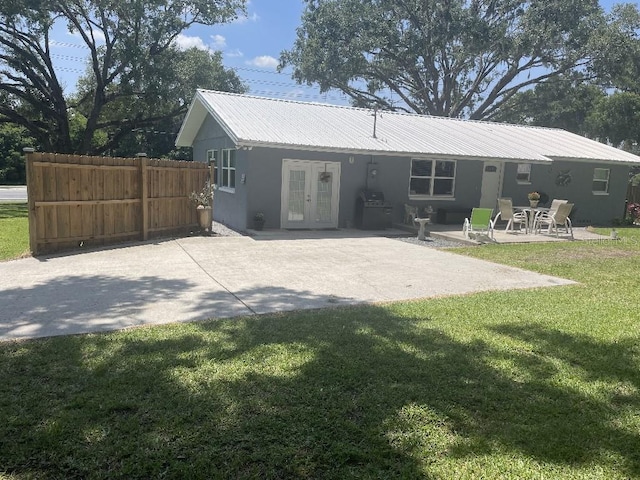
(372, 212)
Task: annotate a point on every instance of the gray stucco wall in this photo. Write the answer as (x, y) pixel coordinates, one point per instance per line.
(264, 182)
(590, 208)
(262, 170)
(228, 207)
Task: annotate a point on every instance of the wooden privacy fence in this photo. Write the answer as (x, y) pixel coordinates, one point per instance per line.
(633, 193)
(77, 201)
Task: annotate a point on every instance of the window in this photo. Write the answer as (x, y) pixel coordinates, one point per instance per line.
(433, 178)
(212, 161)
(600, 184)
(228, 169)
(524, 173)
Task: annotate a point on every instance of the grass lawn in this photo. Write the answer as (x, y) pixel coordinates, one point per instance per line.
(14, 230)
(542, 383)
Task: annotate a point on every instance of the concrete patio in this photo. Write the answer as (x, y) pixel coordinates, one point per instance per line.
(446, 232)
(501, 236)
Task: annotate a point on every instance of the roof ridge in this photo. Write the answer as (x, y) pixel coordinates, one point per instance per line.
(385, 112)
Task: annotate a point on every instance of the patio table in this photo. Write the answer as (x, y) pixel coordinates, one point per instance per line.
(531, 213)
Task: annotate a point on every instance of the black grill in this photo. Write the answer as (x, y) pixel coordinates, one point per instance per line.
(372, 212)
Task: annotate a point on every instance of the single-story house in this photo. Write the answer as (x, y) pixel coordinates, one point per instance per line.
(304, 165)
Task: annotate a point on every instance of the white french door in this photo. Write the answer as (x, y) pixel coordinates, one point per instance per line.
(310, 194)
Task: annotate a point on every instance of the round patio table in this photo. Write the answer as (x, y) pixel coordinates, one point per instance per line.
(531, 213)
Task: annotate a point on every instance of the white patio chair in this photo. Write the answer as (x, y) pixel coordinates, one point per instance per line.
(555, 219)
(555, 203)
(410, 213)
(507, 213)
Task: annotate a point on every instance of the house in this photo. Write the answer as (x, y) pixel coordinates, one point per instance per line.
(304, 165)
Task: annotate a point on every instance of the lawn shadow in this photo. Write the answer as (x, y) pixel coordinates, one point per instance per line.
(13, 210)
(345, 393)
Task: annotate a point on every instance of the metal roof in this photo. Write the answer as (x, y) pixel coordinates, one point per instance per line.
(255, 121)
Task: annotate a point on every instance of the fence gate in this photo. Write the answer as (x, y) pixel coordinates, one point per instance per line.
(79, 201)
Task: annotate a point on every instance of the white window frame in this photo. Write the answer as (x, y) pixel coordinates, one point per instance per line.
(432, 177)
(227, 181)
(524, 171)
(212, 161)
(604, 181)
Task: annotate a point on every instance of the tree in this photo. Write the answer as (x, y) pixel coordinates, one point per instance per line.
(616, 64)
(12, 167)
(616, 49)
(564, 101)
(616, 118)
(126, 42)
(439, 57)
(167, 90)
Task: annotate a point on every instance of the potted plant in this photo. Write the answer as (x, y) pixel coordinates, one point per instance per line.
(534, 198)
(203, 200)
(258, 221)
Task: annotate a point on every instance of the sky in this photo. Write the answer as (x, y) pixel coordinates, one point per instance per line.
(251, 45)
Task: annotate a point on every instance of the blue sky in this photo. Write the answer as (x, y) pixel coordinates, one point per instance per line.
(251, 45)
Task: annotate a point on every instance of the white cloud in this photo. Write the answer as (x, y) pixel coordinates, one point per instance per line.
(235, 53)
(185, 42)
(218, 42)
(263, 61)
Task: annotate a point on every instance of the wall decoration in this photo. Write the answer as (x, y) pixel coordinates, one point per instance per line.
(564, 178)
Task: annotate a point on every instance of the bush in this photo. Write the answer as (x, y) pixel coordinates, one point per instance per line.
(633, 212)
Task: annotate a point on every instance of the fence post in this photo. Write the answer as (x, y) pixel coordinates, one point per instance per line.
(31, 201)
(144, 195)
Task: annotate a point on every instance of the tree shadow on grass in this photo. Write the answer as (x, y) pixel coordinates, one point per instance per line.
(14, 210)
(344, 393)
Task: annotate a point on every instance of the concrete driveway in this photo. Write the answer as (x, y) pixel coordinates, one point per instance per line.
(198, 278)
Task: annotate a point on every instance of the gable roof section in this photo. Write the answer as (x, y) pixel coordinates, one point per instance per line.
(255, 121)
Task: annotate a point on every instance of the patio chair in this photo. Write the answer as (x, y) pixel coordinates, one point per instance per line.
(512, 217)
(555, 219)
(555, 203)
(480, 221)
(410, 213)
(553, 208)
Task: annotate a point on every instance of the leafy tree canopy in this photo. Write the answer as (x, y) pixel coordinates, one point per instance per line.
(12, 140)
(129, 45)
(616, 49)
(440, 57)
(616, 118)
(564, 101)
(156, 102)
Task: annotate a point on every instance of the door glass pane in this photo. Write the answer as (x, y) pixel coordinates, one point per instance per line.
(323, 200)
(296, 195)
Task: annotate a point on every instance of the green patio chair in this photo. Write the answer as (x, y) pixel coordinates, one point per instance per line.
(479, 222)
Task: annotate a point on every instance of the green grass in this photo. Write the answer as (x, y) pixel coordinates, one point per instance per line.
(14, 231)
(541, 383)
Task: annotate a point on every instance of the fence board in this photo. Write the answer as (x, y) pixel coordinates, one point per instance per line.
(79, 200)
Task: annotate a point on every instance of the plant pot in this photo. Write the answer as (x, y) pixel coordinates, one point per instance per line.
(205, 217)
(533, 203)
(258, 224)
